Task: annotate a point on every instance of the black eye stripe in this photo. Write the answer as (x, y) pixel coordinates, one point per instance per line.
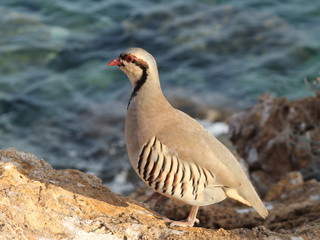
(123, 56)
(126, 57)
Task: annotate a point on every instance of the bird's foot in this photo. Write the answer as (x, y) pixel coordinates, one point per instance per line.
(189, 222)
(184, 223)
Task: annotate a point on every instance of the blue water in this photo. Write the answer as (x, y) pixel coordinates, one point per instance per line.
(60, 101)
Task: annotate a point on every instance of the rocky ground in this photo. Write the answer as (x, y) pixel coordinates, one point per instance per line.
(277, 136)
(39, 202)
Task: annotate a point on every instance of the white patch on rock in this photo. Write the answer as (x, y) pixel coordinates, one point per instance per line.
(314, 197)
(269, 206)
(53, 181)
(266, 113)
(9, 165)
(216, 128)
(272, 238)
(296, 181)
(80, 185)
(252, 156)
(78, 234)
(244, 210)
(143, 212)
(296, 238)
(134, 231)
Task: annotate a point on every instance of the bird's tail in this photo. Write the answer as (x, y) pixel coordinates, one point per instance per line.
(247, 195)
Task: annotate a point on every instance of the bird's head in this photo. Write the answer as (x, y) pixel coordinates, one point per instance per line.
(137, 63)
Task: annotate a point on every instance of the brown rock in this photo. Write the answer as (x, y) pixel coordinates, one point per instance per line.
(289, 183)
(277, 136)
(211, 107)
(262, 180)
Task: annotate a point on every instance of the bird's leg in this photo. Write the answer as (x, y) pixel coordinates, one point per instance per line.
(153, 196)
(191, 219)
(159, 201)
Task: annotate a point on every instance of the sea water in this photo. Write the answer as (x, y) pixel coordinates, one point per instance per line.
(60, 101)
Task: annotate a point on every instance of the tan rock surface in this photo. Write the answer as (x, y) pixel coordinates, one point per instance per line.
(39, 202)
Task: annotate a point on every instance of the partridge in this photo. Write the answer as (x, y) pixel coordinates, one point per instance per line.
(171, 152)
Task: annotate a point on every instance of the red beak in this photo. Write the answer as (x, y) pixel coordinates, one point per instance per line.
(115, 62)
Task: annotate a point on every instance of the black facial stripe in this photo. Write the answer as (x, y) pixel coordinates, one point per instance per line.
(142, 79)
(139, 84)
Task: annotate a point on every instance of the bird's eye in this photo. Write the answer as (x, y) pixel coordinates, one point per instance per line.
(130, 58)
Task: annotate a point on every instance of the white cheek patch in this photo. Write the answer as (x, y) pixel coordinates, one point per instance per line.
(133, 71)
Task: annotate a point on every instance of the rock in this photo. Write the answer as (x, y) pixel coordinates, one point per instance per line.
(293, 205)
(289, 183)
(277, 136)
(39, 202)
(262, 180)
(200, 105)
